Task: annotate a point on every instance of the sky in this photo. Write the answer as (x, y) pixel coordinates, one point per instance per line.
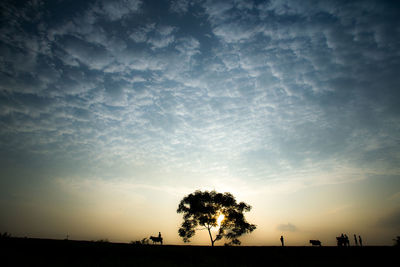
(112, 111)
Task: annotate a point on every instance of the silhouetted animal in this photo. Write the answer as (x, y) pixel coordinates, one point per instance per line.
(315, 242)
(156, 239)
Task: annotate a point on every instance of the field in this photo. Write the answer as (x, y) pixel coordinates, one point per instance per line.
(45, 252)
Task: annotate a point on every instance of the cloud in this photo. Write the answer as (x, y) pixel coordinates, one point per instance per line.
(94, 56)
(116, 10)
(264, 92)
(217, 10)
(162, 37)
(179, 6)
(287, 227)
(235, 32)
(139, 35)
(188, 46)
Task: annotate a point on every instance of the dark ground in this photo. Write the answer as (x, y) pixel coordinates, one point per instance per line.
(45, 252)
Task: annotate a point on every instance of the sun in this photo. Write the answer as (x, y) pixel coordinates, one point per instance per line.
(221, 217)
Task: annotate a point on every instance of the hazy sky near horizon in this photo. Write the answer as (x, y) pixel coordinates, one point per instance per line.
(112, 111)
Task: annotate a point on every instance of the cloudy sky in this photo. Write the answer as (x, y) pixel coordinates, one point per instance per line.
(112, 111)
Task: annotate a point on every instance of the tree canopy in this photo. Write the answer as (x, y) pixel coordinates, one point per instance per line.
(204, 209)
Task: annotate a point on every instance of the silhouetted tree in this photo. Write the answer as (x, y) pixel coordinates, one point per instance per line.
(204, 208)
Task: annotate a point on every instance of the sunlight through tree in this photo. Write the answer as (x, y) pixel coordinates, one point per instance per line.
(214, 210)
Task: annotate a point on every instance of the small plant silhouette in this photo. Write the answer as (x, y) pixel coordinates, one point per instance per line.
(144, 241)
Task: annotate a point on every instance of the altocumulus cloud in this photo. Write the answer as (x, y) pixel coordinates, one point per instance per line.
(262, 91)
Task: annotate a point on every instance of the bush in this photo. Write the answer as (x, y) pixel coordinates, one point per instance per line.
(144, 241)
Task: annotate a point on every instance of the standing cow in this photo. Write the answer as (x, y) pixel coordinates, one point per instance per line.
(315, 242)
(156, 239)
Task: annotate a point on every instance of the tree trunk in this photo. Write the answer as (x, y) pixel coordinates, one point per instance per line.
(209, 232)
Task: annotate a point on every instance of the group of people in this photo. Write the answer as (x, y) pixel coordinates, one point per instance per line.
(343, 240)
(359, 239)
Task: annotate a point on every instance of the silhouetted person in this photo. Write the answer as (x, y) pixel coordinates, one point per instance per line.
(355, 239)
(159, 234)
(347, 240)
(282, 241)
(360, 240)
(341, 240)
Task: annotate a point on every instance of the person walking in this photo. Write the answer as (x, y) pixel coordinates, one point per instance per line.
(360, 240)
(282, 241)
(355, 240)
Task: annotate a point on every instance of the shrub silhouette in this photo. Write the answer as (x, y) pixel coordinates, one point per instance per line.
(144, 241)
(205, 208)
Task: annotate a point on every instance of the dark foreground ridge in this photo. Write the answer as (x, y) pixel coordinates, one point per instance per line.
(46, 252)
